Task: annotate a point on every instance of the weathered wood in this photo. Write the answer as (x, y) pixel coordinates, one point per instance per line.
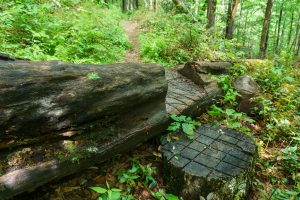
(73, 121)
(191, 89)
(55, 121)
(40, 98)
(200, 72)
(217, 163)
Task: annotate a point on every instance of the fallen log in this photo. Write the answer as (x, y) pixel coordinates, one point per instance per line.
(58, 118)
(73, 113)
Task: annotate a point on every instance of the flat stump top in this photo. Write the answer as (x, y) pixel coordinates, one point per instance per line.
(215, 152)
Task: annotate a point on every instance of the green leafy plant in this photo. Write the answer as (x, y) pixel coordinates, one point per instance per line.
(76, 31)
(230, 94)
(231, 118)
(138, 173)
(92, 75)
(187, 125)
(161, 195)
(107, 193)
(129, 177)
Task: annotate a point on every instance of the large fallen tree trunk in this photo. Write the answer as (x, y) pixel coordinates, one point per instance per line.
(75, 112)
(57, 118)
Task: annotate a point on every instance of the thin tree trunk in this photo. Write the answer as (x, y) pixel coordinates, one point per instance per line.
(279, 28)
(230, 18)
(275, 35)
(240, 23)
(293, 45)
(211, 13)
(281, 42)
(264, 33)
(290, 31)
(245, 29)
(124, 5)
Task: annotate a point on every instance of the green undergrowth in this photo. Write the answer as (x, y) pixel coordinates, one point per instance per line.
(175, 39)
(274, 122)
(75, 31)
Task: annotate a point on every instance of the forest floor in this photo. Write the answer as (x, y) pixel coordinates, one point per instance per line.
(132, 32)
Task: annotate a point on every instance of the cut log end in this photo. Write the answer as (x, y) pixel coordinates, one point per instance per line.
(217, 164)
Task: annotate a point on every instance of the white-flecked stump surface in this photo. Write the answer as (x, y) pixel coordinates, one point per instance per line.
(216, 164)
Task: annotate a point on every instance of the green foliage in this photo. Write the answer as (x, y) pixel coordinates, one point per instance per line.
(73, 154)
(108, 193)
(92, 75)
(161, 195)
(175, 39)
(138, 173)
(187, 125)
(231, 118)
(279, 194)
(74, 31)
(230, 94)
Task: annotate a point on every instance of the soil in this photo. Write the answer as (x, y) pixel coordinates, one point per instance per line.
(132, 31)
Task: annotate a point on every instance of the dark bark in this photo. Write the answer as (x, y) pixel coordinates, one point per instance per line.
(137, 4)
(46, 105)
(124, 5)
(265, 30)
(293, 45)
(231, 13)
(279, 28)
(291, 30)
(42, 98)
(211, 13)
(298, 46)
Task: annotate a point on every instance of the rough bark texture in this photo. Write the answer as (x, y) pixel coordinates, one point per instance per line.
(279, 28)
(211, 13)
(38, 98)
(230, 18)
(264, 32)
(55, 121)
(60, 121)
(217, 164)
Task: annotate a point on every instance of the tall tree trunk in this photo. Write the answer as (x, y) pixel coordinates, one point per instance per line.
(293, 45)
(281, 42)
(275, 35)
(245, 29)
(279, 28)
(240, 23)
(298, 46)
(290, 31)
(124, 5)
(265, 30)
(230, 18)
(211, 13)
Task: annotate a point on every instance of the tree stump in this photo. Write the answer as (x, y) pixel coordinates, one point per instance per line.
(217, 164)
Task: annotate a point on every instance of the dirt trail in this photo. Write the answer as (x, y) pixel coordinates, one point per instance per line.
(132, 31)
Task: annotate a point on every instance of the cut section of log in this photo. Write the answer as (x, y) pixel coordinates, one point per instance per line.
(217, 163)
(200, 72)
(188, 97)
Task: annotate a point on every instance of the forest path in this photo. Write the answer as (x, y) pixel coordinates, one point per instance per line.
(132, 31)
